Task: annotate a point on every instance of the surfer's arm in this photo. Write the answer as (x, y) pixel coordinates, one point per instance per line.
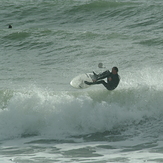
(103, 75)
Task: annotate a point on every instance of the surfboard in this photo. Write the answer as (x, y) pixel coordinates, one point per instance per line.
(78, 81)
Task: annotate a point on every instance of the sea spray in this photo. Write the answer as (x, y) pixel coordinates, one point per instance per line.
(63, 114)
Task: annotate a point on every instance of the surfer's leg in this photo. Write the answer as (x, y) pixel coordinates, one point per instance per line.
(89, 83)
(97, 82)
(106, 85)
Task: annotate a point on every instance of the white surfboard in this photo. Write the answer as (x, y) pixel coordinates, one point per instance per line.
(78, 81)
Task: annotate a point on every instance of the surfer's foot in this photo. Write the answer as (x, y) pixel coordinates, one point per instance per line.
(88, 83)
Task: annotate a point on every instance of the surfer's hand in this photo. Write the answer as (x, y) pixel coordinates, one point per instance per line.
(110, 79)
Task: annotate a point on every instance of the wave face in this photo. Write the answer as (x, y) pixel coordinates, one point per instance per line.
(42, 113)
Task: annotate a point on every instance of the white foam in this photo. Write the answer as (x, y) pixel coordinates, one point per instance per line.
(64, 114)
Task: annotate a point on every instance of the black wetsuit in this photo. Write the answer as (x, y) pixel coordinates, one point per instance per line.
(110, 85)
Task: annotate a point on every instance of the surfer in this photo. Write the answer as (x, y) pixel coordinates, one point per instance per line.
(9, 26)
(112, 79)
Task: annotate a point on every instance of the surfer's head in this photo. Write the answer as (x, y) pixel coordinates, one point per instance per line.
(114, 70)
(9, 26)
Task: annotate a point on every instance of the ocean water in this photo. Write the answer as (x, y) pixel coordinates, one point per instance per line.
(43, 118)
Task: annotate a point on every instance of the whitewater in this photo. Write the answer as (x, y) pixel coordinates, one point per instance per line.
(43, 118)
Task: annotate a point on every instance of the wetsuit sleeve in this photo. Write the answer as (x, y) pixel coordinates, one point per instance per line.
(103, 75)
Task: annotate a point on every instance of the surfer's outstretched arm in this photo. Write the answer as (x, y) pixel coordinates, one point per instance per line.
(103, 75)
